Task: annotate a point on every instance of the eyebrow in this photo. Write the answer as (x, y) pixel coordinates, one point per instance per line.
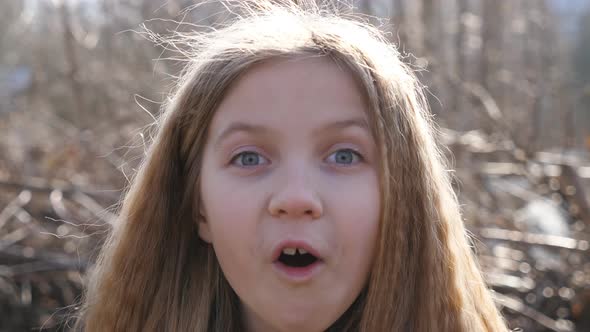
(343, 124)
(240, 127)
(253, 128)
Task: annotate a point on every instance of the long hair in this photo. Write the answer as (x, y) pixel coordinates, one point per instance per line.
(154, 273)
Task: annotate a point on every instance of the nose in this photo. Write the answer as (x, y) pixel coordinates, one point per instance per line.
(295, 198)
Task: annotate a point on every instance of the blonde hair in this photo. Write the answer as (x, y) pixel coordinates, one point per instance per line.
(154, 273)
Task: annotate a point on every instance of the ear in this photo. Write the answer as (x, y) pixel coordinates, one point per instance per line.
(204, 230)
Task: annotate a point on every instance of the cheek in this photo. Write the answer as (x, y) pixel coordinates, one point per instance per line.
(356, 214)
(228, 203)
(232, 213)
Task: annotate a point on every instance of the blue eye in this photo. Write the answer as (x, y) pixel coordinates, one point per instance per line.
(345, 157)
(249, 159)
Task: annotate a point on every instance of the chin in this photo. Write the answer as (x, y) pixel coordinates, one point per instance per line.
(302, 320)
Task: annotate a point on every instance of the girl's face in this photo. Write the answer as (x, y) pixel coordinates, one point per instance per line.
(290, 194)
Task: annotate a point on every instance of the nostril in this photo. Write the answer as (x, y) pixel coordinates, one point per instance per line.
(307, 212)
(295, 202)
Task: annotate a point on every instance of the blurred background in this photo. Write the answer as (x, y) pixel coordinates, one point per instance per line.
(509, 85)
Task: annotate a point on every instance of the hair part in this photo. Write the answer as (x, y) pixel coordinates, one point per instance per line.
(155, 273)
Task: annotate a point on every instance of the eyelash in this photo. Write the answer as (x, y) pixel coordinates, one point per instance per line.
(237, 156)
(355, 153)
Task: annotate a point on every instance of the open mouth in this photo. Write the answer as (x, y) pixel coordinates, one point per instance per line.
(296, 257)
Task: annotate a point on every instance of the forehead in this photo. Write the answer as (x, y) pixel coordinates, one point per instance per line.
(300, 91)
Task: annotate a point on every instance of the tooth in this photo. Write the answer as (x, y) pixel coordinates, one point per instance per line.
(302, 251)
(289, 251)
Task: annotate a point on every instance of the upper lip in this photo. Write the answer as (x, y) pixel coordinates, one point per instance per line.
(294, 244)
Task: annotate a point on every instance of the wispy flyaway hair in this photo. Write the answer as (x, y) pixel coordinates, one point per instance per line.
(154, 273)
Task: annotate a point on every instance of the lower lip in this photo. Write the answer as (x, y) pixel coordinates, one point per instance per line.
(298, 274)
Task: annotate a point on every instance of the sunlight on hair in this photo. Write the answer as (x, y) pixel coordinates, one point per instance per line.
(155, 273)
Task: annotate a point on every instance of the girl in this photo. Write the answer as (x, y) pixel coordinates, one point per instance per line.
(294, 185)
